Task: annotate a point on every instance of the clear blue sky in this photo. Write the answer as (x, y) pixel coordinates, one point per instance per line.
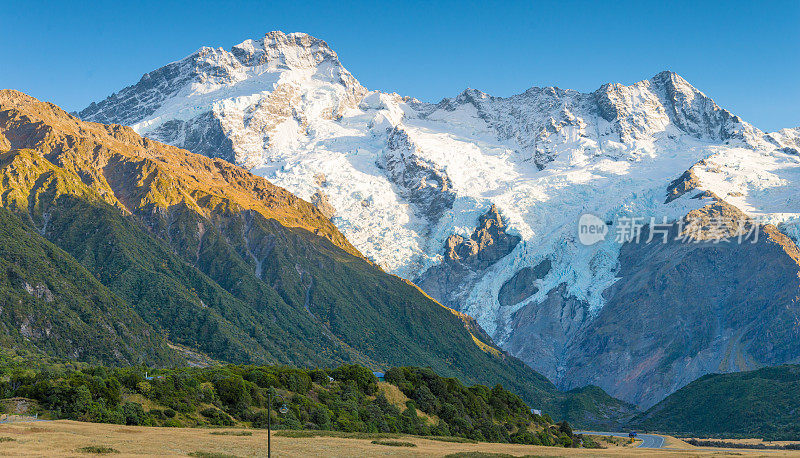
(744, 55)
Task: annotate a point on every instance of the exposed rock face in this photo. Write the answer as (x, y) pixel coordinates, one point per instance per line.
(788, 140)
(39, 291)
(203, 134)
(683, 184)
(320, 200)
(423, 184)
(466, 258)
(485, 246)
(541, 332)
(682, 310)
(522, 285)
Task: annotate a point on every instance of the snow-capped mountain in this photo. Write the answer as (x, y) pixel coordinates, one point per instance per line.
(477, 198)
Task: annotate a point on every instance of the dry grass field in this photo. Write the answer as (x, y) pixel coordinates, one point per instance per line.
(752, 441)
(71, 438)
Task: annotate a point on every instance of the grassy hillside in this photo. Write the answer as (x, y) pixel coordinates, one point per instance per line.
(224, 263)
(762, 403)
(348, 398)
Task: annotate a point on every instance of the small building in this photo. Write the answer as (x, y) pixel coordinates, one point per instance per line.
(380, 376)
(536, 412)
(151, 377)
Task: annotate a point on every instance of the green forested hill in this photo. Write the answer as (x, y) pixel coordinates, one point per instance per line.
(761, 403)
(219, 261)
(51, 304)
(348, 399)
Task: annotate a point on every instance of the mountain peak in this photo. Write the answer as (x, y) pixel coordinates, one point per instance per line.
(674, 82)
(666, 75)
(252, 66)
(663, 79)
(294, 50)
(469, 95)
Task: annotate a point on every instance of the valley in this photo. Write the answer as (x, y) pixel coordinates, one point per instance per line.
(66, 437)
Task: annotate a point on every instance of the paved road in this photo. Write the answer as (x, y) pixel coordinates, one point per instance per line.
(648, 440)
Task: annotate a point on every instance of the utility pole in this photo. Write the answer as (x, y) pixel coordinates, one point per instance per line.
(283, 409)
(269, 423)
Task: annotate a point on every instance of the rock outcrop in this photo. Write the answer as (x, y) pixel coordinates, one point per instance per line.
(423, 184)
(466, 258)
(320, 200)
(523, 284)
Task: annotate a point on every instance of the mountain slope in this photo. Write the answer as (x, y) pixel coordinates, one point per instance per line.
(75, 198)
(477, 198)
(680, 310)
(224, 262)
(760, 403)
(53, 305)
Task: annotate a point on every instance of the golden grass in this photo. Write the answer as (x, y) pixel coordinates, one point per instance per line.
(113, 163)
(485, 347)
(397, 398)
(64, 438)
(674, 442)
(146, 403)
(393, 394)
(747, 441)
(613, 441)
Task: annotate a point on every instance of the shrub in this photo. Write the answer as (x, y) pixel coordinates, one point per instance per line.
(232, 433)
(133, 413)
(319, 377)
(217, 417)
(321, 415)
(296, 380)
(211, 455)
(363, 377)
(223, 395)
(258, 419)
(394, 443)
(100, 449)
(233, 391)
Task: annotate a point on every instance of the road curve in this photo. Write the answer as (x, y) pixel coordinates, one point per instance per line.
(648, 440)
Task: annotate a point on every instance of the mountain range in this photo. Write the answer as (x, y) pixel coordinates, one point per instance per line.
(121, 250)
(477, 200)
